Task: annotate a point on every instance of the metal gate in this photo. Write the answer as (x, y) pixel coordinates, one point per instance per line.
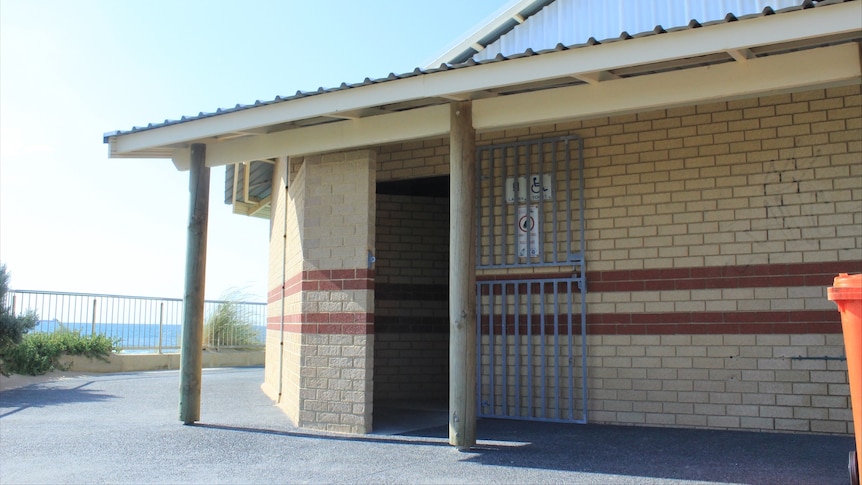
(531, 287)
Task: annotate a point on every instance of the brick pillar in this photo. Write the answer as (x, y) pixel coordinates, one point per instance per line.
(326, 370)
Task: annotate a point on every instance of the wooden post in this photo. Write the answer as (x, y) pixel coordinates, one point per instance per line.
(191, 353)
(462, 277)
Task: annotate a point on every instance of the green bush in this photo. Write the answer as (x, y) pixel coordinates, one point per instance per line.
(229, 326)
(12, 327)
(38, 353)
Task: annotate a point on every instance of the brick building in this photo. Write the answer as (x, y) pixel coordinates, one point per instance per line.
(649, 223)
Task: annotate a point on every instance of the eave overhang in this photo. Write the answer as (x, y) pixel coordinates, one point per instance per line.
(730, 59)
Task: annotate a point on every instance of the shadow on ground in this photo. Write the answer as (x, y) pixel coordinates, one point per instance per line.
(137, 425)
(44, 395)
(659, 453)
(664, 453)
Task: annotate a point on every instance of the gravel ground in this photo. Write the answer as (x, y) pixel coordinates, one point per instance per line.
(124, 428)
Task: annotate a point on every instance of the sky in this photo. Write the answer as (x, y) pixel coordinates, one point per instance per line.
(73, 220)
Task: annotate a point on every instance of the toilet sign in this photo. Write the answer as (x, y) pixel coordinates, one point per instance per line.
(539, 187)
(528, 231)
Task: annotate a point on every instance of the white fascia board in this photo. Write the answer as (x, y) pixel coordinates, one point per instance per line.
(785, 27)
(374, 130)
(824, 67)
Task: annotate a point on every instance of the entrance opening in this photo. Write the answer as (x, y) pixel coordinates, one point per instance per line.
(411, 310)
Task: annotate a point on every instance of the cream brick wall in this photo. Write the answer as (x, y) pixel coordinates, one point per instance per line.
(325, 375)
(775, 180)
(282, 362)
(338, 230)
(756, 181)
(735, 183)
(290, 365)
(757, 382)
(753, 382)
(336, 383)
(415, 159)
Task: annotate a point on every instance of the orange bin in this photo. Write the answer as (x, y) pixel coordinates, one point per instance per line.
(846, 292)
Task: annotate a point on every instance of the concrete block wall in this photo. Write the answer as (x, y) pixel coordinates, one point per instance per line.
(751, 382)
(327, 322)
(411, 358)
(275, 279)
(282, 361)
(414, 159)
(712, 232)
(746, 381)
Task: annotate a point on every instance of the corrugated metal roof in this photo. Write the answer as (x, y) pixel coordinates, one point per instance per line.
(624, 36)
(501, 22)
(572, 21)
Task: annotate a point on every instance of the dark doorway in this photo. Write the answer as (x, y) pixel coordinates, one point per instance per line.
(411, 323)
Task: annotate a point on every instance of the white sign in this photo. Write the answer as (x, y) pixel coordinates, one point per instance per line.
(513, 187)
(538, 186)
(528, 231)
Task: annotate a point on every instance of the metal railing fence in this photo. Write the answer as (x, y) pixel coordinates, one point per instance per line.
(141, 323)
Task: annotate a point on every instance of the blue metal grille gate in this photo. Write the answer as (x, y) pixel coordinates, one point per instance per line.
(531, 287)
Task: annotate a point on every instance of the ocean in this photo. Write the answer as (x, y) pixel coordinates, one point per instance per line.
(132, 336)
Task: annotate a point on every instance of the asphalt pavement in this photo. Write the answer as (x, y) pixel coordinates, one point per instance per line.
(124, 428)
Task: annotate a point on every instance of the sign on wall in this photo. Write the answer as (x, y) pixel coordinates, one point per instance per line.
(528, 231)
(538, 187)
(529, 201)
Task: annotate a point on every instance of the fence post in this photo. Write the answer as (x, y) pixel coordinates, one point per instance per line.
(13, 305)
(161, 323)
(93, 330)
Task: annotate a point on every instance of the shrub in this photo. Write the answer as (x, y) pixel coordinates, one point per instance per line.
(38, 353)
(12, 327)
(229, 326)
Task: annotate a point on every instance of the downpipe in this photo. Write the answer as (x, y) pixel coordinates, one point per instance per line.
(283, 291)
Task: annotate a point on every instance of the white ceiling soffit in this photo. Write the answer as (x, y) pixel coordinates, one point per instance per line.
(172, 140)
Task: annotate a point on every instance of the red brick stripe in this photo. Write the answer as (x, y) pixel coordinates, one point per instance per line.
(751, 276)
(711, 277)
(715, 277)
(324, 280)
(766, 322)
(334, 323)
(325, 323)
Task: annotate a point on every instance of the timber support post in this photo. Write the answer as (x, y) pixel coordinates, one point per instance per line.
(462, 277)
(191, 352)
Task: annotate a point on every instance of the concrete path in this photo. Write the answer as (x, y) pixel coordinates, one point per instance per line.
(123, 428)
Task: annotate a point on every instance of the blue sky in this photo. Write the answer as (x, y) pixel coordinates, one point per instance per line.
(71, 219)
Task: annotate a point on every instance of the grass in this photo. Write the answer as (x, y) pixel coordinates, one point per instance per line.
(229, 326)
